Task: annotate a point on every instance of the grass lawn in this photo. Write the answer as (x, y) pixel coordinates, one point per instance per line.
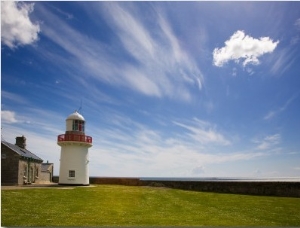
(115, 205)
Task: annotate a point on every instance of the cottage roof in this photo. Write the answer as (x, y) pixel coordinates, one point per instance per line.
(22, 152)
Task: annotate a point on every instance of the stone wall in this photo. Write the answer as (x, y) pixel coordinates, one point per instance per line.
(266, 188)
(13, 169)
(34, 172)
(45, 177)
(116, 180)
(110, 180)
(22, 171)
(55, 179)
(9, 166)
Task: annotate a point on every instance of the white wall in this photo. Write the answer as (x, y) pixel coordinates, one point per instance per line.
(74, 156)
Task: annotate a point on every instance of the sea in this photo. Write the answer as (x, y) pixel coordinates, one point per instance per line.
(237, 179)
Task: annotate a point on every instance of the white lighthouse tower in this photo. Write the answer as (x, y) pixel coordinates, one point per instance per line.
(74, 155)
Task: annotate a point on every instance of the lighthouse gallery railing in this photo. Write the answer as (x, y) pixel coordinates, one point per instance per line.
(74, 138)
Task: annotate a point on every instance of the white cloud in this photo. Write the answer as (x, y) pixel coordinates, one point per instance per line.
(16, 26)
(8, 117)
(243, 47)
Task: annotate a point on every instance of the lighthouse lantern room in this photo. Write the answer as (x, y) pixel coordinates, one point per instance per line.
(74, 157)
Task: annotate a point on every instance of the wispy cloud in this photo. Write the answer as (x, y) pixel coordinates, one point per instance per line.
(41, 144)
(267, 142)
(150, 62)
(198, 170)
(160, 57)
(40, 127)
(204, 132)
(271, 114)
(297, 23)
(130, 64)
(287, 55)
(12, 97)
(243, 47)
(16, 26)
(284, 59)
(126, 147)
(33, 119)
(131, 148)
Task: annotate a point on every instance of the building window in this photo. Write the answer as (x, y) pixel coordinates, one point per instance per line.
(25, 171)
(3, 156)
(71, 173)
(31, 178)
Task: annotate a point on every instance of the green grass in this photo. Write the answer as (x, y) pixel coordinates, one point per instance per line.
(122, 205)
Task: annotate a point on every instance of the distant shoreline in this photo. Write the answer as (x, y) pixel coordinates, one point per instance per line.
(238, 179)
(222, 179)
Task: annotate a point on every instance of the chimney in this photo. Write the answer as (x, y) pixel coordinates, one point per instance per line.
(21, 142)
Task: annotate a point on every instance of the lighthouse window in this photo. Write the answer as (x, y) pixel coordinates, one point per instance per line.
(71, 173)
(78, 125)
(75, 125)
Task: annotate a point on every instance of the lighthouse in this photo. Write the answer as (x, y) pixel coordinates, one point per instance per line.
(74, 155)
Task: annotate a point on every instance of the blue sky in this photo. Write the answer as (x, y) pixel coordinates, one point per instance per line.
(168, 89)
